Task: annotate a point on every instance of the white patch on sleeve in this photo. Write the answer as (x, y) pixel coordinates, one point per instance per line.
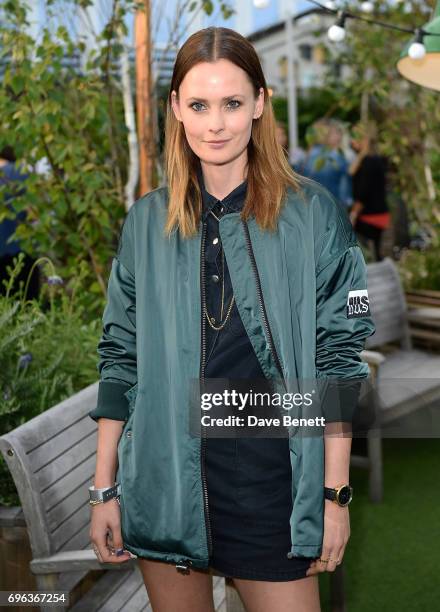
(358, 304)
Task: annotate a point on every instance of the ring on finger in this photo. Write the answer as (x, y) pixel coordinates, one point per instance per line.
(96, 551)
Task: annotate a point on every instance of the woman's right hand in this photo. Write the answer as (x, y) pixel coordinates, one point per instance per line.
(105, 532)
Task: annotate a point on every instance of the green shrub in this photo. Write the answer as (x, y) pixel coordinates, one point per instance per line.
(420, 269)
(47, 353)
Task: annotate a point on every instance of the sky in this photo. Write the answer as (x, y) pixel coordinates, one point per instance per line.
(247, 20)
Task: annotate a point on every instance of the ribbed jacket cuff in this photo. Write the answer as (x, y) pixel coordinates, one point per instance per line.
(306, 550)
(341, 400)
(112, 403)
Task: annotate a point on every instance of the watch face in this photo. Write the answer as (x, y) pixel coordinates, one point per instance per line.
(345, 495)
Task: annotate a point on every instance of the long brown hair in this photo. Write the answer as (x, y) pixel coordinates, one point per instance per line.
(269, 172)
(367, 128)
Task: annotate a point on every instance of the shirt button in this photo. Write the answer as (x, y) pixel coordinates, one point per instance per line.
(215, 241)
(215, 278)
(222, 209)
(213, 320)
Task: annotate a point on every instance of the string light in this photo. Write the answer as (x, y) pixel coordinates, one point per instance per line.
(261, 4)
(417, 62)
(349, 15)
(336, 32)
(417, 49)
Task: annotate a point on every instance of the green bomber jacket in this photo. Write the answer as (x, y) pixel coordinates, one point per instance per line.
(302, 295)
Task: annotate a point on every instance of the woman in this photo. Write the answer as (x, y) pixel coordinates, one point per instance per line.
(369, 213)
(325, 161)
(237, 269)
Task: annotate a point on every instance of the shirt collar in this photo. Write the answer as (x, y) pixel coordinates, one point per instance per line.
(233, 202)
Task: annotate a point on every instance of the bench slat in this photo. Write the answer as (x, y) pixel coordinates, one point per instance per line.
(387, 305)
(58, 451)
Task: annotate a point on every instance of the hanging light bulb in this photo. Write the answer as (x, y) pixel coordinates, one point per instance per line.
(417, 49)
(367, 7)
(336, 32)
(261, 4)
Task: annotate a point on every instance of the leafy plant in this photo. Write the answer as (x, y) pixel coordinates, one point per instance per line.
(72, 119)
(47, 353)
(420, 269)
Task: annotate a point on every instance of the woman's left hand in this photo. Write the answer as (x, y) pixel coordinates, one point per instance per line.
(336, 536)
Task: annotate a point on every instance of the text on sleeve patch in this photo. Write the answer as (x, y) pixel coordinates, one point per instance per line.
(358, 304)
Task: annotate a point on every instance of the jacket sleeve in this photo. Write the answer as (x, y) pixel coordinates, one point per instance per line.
(343, 321)
(117, 363)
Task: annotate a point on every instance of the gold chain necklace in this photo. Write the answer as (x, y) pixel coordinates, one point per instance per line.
(223, 323)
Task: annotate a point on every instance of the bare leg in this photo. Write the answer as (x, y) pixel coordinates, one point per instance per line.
(169, 589)
(292, 596)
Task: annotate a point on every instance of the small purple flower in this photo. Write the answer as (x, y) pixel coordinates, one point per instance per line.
(55, 280)
(24, 360)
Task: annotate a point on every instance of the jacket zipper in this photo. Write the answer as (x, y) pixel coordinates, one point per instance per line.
(261, 303)
(202, 377)
(183, 565)
(264, 315)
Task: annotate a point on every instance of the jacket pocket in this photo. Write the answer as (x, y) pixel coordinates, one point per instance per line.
(131, 396)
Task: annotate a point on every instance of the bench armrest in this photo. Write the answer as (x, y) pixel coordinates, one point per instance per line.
(373, 358)
(427, 315)
(72, 561)
(12, 516)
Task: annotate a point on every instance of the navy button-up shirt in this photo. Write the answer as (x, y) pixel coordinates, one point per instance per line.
(229, 352)
(238, 469)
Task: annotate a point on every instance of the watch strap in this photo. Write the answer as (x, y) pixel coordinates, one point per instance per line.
(330, 493)
(98, 496)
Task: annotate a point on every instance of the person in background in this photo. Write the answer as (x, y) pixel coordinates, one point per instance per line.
(12, 178)
(369, 214)
(325, 161)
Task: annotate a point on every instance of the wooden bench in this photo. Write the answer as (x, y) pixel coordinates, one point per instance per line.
(406, 379)
(52, 461)
(425, 325)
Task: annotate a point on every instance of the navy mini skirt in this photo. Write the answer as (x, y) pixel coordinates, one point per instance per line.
(250, 503)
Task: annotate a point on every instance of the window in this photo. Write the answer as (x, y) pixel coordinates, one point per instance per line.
(305, 52)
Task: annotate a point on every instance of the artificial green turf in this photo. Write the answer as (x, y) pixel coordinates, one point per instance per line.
(392, 560)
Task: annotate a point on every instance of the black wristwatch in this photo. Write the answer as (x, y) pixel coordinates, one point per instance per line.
(341, 495)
